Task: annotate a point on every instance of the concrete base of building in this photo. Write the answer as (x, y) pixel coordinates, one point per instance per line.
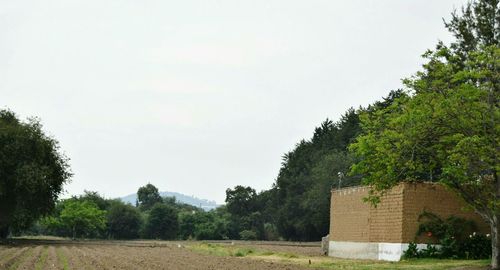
(369, 251)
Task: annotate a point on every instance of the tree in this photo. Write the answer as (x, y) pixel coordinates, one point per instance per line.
(82, 217)
(242, 205)
(123, 220)
(303, 184)
(241, 200)
(446, 128)
(96, 198)
(32, 172)
(162, 222)
(147, 196)
(187, 222)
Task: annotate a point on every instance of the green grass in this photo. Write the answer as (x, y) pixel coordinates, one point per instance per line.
(235, 251)
(220, 250)
(334, 263)
(431, 264)
(62, 258)
(41, 260)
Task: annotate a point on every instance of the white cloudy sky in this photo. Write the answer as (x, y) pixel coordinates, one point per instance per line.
(199, 96)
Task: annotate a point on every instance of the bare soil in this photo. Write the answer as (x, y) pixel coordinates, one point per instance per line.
(125, 255)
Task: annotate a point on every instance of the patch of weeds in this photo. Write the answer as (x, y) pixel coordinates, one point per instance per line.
(62, 258)
(239, 254)
(242, 252)
(41, 260)
(222, 250)
(290, 255)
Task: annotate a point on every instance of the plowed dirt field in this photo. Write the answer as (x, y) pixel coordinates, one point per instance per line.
(67, 255)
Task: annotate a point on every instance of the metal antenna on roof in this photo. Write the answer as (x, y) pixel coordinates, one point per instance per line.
(340, 175)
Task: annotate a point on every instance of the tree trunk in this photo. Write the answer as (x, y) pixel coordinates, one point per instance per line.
(495, 243)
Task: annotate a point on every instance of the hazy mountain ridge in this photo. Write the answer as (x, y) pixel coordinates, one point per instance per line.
(191, 200)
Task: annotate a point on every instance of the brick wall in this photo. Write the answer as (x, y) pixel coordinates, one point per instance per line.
(438, 200)
(386, 220)
(395, 219)
(349, 215)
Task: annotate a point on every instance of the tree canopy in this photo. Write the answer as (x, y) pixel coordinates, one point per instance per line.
(147, 196)
(123, 221)
(307, 175)
(446, 127)
(162, 222)
(32, 172)
(82, 218)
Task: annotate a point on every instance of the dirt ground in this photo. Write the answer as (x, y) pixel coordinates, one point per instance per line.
(127, 255)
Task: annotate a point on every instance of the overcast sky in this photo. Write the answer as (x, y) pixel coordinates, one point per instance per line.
(200, 96)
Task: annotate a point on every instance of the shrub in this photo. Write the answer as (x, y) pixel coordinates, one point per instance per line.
(248, 235)
(411, 252)
(455, 237)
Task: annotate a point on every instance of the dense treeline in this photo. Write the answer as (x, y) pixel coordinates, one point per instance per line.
(92, 216)
(297, 206)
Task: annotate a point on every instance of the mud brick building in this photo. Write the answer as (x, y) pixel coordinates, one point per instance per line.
(359, 230)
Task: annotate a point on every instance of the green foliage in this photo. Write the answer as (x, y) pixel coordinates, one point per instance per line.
(455, 236)
(212, 225)
(241, 200)
(32, 172)
(411, 251)
(123, 220)
(162, 222)
(147, 196)
(453, 227)
(430, 251)
(307, 175)
(477, 246)
(243, 207)
(95, 198)
(271, 232)
(248, 235)
(446, 128)
(82, 218)
(443, 130)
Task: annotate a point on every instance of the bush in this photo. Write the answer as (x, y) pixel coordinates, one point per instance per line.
(248, 235)
(124, 221)
(411, 252)
(477, 246)
(431, 251)
(455, 237)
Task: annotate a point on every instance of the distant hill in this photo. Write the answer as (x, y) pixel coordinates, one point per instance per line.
(191, 200)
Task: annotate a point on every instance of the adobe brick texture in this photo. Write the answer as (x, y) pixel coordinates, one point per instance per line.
(395, 219)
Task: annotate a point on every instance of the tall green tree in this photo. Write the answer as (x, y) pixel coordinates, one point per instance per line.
(242, 205)
(32, 172)
(305, 179)
(446, 129)
(147, 196)
(82, 218)
(123, 220)
(162, 222)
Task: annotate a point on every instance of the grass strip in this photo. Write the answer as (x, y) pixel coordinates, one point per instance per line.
(334, 263)
(235, 251)
(42, 259)
(62, 258)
